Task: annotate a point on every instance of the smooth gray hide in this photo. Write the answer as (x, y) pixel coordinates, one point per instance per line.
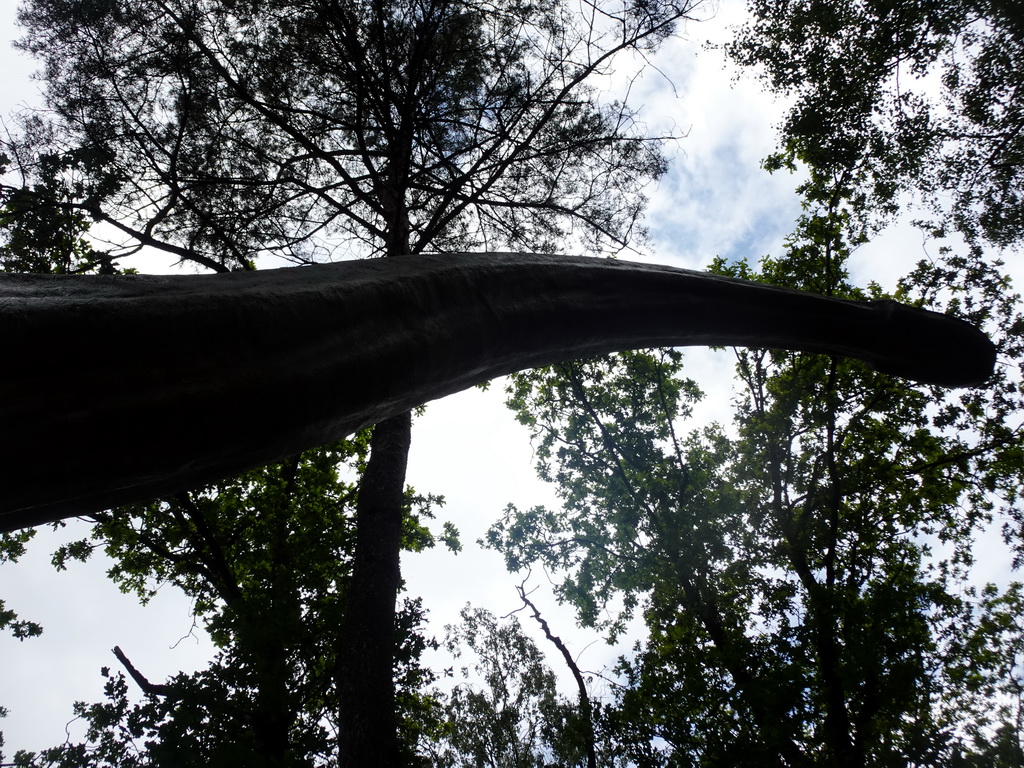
(120, 389)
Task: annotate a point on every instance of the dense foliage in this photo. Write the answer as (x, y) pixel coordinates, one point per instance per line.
(505, 711)
(805, 576)
(901, 100)
(266, 559)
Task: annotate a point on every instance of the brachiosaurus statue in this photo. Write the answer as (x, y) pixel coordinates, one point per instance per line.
(120, 389)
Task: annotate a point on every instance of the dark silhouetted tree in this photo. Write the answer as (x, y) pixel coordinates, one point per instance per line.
(805, 579)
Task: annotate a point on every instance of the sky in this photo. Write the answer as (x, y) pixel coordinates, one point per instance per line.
(715, 200)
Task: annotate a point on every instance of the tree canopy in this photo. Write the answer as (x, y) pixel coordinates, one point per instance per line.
(323, 128)
(267, 560)
(901, 100)
(803, 577)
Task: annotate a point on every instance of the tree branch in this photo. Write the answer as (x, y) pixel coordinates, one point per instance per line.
(586, 709)
(153, 689)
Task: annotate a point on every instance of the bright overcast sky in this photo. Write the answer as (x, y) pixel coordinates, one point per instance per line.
(714, 201)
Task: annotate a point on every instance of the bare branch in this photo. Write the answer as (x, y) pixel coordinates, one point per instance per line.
(153, 689)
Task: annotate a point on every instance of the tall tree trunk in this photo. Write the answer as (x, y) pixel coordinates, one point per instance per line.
(368, 723)
(271, 632)
(368, 732)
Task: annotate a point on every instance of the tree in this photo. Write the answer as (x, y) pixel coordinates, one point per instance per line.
(997, 638)
(900, 99)
(267, 560)
(506, 710)
(40, 232)
(237, 129)
(805, 580)
(234, 130)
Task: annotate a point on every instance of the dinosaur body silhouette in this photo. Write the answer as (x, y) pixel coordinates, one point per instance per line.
(120, 389)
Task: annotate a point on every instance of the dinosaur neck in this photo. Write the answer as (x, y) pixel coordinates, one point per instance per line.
(121, 389)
